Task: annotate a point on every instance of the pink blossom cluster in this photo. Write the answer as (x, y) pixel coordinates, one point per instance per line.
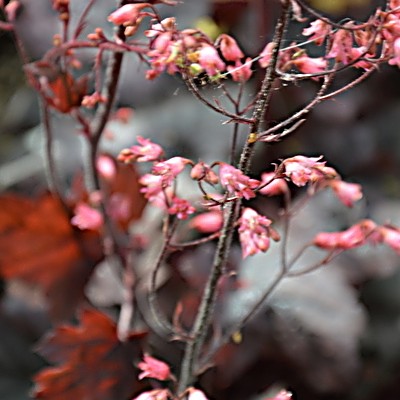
(156, 369)
(362, 233)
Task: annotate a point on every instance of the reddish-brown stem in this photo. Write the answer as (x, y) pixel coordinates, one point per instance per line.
(51, 168)
(267, 135)
(207, 304)
(158, 317)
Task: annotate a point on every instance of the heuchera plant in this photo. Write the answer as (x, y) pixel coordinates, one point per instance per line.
(99, 214)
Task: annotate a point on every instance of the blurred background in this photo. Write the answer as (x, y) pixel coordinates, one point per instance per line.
(333, 335)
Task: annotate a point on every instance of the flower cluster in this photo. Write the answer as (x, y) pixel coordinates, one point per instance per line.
(255, 232)
(362, 233)
(153, 368)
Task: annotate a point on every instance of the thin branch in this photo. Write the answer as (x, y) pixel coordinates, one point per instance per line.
(266, 135)
(81, 22)
(207, 305)
(126, 312)
(154, 306)
(194, 90)
(51, 167)
(328, 21)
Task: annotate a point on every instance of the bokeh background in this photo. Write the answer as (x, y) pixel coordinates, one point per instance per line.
(332, 335)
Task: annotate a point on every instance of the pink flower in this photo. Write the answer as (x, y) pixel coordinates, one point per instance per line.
(266, 55)
(341, 46)
(229, 48)
(87, 217)
(106, 167)
(147, 151)
(319, 31)
(274, 187)
(202, 171)
(351, 238)
(170, 169)
(348, 193)
(241, 72)
(127, 14)
(391, 237)
(181, 208)
(395, 60)
(196, 394)
(153, 368)
(255, 232)
(282, 395)
(308, 65)
(208, 222)
(93, 99)
(236, 181)
(11, 10)
(157, 394)
(119, 207)
(153, 186)
(210, 60)
(302, 170)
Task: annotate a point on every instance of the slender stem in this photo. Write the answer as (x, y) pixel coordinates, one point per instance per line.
(126, 313)
(265, 136)
(207, 305)
(51, 168)
(154, 307)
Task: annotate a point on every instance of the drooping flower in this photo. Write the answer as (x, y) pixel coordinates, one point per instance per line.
(146, 151)
(181, 208)
(302, 170)
(87, 217)
(318, 31)
(153, 186)
(229, 48)
(282, 395)
(391, 237)
(241, 72)
(208, 222)
(210, 60)
(395, 60)
(196, 394)
(157, 394)
(170, 168)
(202, 171)
(236, 181)
(255, 232)
(274, 187)
(341, 46)
(355, 236)
(106, 167)
(310, 65)
(127, 14)
(153, 368)
(266, 54)
(347, 193)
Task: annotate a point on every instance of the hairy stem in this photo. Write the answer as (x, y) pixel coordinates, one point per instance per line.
(207, 305)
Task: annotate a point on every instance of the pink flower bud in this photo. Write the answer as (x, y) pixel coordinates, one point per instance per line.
(282, 395)
(275, 187)
(229, 48)
(208, 222)
(127, 14)
(106, 167)
(241, 72)
(153, 368)
(87, 217)
(210, 60)
(202, 171)
(348, 193)
(254, 232)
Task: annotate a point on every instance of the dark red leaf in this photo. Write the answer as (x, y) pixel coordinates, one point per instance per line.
(38, 245)
(94, 364)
